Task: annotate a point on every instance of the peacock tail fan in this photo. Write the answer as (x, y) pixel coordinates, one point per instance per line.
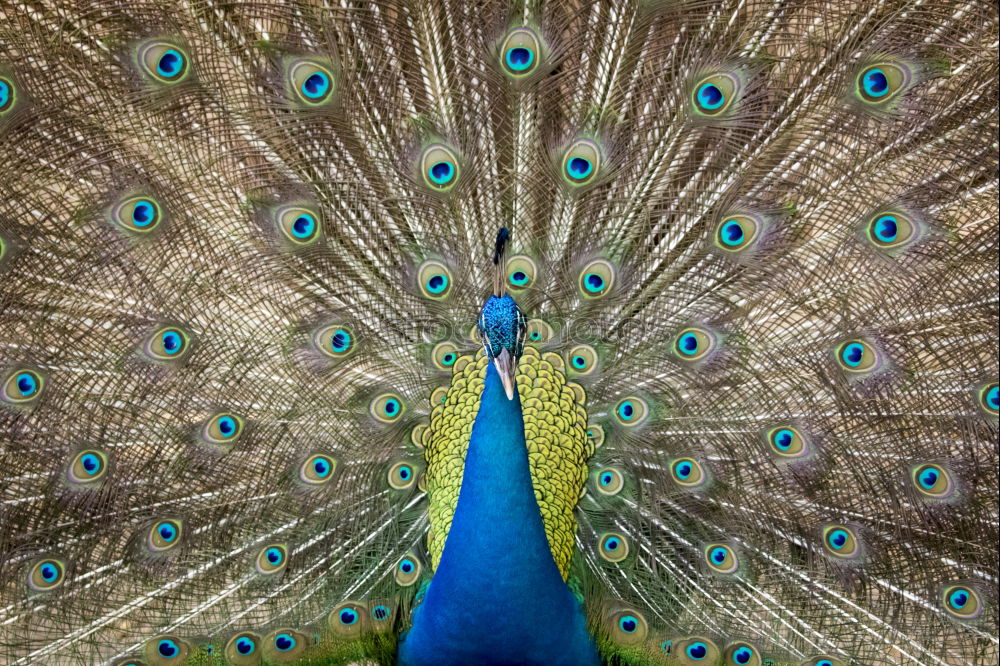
(745, 318)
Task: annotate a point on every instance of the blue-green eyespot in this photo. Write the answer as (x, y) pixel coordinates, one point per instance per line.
(520, 53)
(597, 278)
(933, 481)
(440, 167)
(164, 535)
(348, 618)
(8, 95)
(387, 407)
(721, 558)
(444, 355)
(961, 602)
(613, 547)
(715, 94)
(581, 162)
(627, 626)
(522, 272)
(46, 574)
(272, 559)
(243, 649)
(299, 225)
(336, 340)
(137, 215)
(736, 233)
(609, 481)
(22, 387)
(434, 279)
(402, 475)
(879, 83)
(87, 468)
(317, 469)
(169, 343)
(311, 81)
(407, 570)
(581, 360)
(163, 62)
(841, 541)
(631, 411)
(741, 653)
(892, 230)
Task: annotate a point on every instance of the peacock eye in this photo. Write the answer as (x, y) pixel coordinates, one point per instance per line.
(891, 230)
(595, 433)
(167, 648)
(285, 645)
(713, 95)
(440, 167)
(841, 541)
(444, 355)
(163, 62)
(688, 473)
(317, 469)
(222, 429)
(609, 481)
(961, 602)
(311, 81)
(164, 535)
(582, 360)
(298, 225)
(697, 650)
(521, 272)
(22, 387)
(933, 481)
(271, 559)
(46, 575)
(345, 619)
(989, 398)
(581, 162)
(87, 467)
(538, 331)
(613, 547)
(387, 407)
(167, 344)
(8, 95)
(878, 83)
(335, 341)
(721, 558)
(787, 442)
(694, 343)
(742, 654)
(407, 571)
(241, 645)
(628, 626)
(631, 411)
(736, 233)
(137, 215)
(434, 279)
(520, 53)
(857, 356)
(401, 476)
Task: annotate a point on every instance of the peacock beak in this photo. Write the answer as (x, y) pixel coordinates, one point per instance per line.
(507, 369)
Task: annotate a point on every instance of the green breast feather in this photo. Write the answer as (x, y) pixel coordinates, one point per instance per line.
(555, 427)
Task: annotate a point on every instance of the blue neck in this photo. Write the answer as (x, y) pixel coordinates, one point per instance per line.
(497, 596)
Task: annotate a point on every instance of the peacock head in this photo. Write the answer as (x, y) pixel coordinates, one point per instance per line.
(501, 325)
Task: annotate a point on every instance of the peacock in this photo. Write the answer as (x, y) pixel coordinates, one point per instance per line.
(536, 332)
